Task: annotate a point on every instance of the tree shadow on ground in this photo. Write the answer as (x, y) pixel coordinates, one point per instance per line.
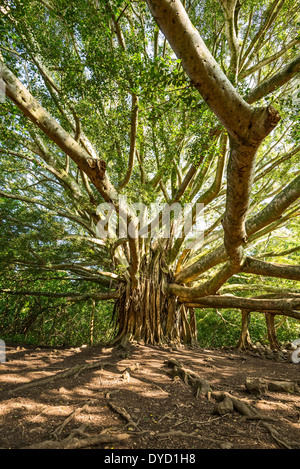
(128, 398)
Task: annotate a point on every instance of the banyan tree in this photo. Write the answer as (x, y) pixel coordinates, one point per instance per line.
(160, 142)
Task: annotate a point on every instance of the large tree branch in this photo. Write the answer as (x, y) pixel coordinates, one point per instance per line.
(201, 67)
(275, 208)
(258, 267)
(206, 262)
(31, 108)
(94, 168)
(240, 175)
(210, 287)
(266, 216)
(288, 304)
(247, 127)
(274, 82)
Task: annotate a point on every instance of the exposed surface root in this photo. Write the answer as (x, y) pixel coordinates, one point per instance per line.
(279, 439)
(226, 403)
(202, 386)
(76, 443)
(58, 430)
(74, 371)
(123, 413)
(262, 386)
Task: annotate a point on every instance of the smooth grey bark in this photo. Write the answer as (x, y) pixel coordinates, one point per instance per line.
(201, 67)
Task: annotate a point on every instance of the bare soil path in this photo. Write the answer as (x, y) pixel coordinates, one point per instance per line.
(142, 397)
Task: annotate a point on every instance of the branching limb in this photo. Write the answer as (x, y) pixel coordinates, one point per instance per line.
(201, 67)
(40, 117)
(269, 60)
(266, 216)
(288, 306)
(257, 40)
(230, 8)
(257, 267)
(94, 168)
(279, 79)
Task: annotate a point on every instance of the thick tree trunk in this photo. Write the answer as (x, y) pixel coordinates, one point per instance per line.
(149, 313)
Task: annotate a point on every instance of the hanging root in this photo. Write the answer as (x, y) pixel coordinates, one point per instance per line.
(148, 313)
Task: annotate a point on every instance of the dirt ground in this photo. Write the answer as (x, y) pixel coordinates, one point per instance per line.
(128, 398)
